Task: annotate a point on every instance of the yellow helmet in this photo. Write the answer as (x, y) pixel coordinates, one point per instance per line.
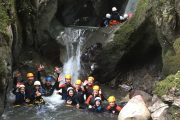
(78, 82)
(96, 87)
(90, 78)
(68, 76)
(30, 75)
(111, 99)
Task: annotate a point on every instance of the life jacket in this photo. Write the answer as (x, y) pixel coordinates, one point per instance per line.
(73, 99)
(113, 22)
(115, 109)
(115, 16)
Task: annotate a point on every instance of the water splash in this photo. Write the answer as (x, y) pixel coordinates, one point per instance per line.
(131, 6)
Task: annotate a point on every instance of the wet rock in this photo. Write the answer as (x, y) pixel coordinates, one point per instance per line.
(176, 102)
(135, 109)
(158, 109)
(168, 98)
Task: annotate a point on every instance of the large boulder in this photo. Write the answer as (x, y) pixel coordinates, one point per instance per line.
(135, 109)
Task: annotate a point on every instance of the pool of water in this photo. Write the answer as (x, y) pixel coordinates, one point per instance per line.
(56, 110)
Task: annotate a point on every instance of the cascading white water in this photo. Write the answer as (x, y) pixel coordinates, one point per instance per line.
(73, 40)
(131, 6)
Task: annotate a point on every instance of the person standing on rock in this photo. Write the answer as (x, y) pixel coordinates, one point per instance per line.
(115, 17)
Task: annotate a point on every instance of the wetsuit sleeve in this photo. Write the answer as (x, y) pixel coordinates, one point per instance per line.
(88, 100)
(39, 76)
(56, 85)
(14, 91)
(118, 108)
(15, 82)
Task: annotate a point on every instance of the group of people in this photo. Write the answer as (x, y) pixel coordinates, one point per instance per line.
(82, 94)
(114, 18)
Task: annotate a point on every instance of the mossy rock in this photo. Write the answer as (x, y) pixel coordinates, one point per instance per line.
(174, 112)
(171, 58)
(164, 86)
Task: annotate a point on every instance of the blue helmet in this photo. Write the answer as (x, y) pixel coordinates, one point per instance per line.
(49, 78)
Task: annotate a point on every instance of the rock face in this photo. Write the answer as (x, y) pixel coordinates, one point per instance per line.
(135, 109)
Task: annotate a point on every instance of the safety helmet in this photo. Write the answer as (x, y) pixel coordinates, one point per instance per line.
(114, 9)
(96, 87)
(108, 15)
(125, 16)
(98, 99)
(21, 86)
(68, 76)
(90, 78)
(70, 88)
(37, 83)
(111, 99)
(78, 82)
(48, 78)
(30, 75)
(121, 18)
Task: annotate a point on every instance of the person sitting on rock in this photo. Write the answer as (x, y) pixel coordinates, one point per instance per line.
(97, 106)
(115, 17)
(106, 20)
(71, 99)
(96, 93)
(113, 107)
(65, 86)
(38, 92)
(80, 93)
(20, 95)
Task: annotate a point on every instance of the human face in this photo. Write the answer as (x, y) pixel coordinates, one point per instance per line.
(22, 90)
(30, 80)
(96, 92)
(90, 82)
(71, 93)
(48, 83)
(112, 104)
(98, 103)
(37, 87)
(78, 86)
(68, 80)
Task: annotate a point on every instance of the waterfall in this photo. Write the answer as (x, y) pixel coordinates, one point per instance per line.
(73, 39)
(131, 6)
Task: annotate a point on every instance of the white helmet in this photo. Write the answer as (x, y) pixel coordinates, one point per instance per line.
(70, 88)
(121, 18)
(108, 15)
(21, 86)
(98, 98)
(37, 83)
(125, 16)
(114, 9)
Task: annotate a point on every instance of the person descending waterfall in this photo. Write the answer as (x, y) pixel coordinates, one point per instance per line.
(71, 99)
(29, 88)
(65, 86)
(106, 20)
(20, 95)
(88, 86)
(97, 106)
(80, 93)
(115, 17)
(113, 107)
(96, 93)
(38, 92)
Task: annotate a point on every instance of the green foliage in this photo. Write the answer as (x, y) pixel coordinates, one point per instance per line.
(165, 85)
